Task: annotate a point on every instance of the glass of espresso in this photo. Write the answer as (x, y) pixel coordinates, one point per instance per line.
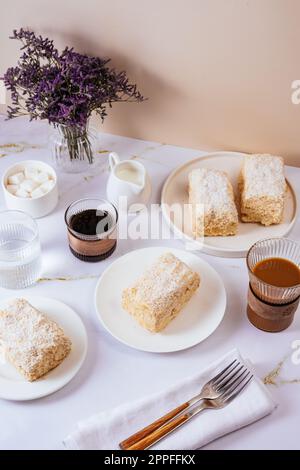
(92, 229)
(274, 287)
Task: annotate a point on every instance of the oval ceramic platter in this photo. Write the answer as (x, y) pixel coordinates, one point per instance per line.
(175, 191)
(198, 319)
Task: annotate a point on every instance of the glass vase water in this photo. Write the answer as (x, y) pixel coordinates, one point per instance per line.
(74, 148)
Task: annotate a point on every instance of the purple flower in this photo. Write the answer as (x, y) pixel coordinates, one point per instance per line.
(65, 87)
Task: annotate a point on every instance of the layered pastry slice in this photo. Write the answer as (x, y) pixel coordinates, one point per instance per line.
(31, 342)
(212, 203)
(159, 295)
(262, 189)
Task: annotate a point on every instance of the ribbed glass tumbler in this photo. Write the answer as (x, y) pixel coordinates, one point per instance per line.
(20, 251)
(270, 307)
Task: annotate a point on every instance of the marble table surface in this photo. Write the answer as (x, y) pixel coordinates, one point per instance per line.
(113, 373)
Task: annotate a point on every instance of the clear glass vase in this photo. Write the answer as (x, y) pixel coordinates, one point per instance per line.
(74, 149)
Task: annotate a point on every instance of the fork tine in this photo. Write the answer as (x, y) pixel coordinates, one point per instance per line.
(229, 377)
(238, 389)
(218, 378)
(237, 380)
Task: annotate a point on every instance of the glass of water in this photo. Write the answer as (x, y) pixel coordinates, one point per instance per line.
(20, 250)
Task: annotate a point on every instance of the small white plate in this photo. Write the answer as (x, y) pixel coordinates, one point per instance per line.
(14, 387)
(198, 319)
(175, 191)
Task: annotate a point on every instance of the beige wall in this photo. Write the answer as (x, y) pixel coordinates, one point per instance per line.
(218, 73)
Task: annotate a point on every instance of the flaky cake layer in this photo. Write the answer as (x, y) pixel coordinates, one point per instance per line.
(159, 295)
(213, 208)
(262, 189)
(33, 343)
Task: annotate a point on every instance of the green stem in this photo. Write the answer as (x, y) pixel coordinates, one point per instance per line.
(78, 143)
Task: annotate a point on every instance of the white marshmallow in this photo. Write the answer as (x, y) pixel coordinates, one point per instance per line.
(47, 186)
(22, 193)
(29, 185)
(31, 173)
(38, 192)
(17, 178)
(41, 177)
(12, 188)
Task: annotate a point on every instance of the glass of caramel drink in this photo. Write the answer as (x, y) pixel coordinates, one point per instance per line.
(274, 288)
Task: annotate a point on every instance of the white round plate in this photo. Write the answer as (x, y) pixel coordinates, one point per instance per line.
(14, 387)
(197, 320)
(175, 191)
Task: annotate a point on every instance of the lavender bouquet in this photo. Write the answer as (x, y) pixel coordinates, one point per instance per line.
(64, 88)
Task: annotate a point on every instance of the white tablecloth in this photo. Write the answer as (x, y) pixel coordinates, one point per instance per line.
(114, 373)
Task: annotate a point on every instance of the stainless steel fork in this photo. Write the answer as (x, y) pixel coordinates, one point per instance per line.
(215, 394)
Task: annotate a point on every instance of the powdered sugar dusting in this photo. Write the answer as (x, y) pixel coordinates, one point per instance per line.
(162, 280)
(27, 335)
(263, 176)
(212, 188)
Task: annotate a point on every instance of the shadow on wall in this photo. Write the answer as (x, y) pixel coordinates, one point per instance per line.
(198, 101)
(152, 87)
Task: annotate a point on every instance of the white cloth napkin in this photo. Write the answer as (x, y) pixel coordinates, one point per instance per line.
(105, 430)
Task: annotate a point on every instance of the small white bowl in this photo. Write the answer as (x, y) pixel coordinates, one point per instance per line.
(36, 207)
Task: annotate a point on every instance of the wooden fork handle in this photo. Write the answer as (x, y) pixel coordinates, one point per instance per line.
(143, 433)
(159, 433)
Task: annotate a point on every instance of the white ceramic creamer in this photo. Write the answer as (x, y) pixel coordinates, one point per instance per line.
(128, 179)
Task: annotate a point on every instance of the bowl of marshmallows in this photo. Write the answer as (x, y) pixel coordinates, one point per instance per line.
(31, 186)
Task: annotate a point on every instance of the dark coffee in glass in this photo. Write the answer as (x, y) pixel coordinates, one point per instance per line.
(92, 229)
